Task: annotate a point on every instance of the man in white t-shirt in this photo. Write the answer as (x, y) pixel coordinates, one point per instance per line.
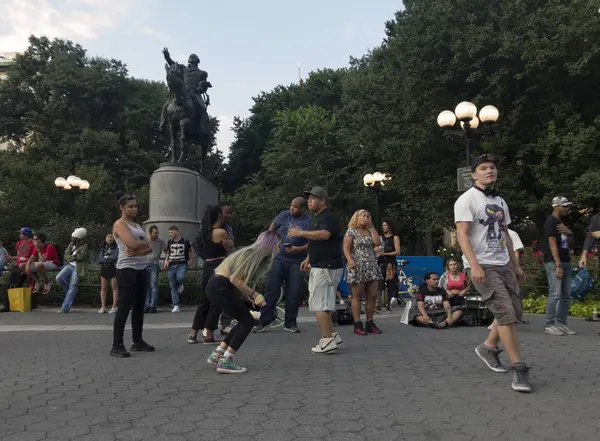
(517, 247)
(481, 217)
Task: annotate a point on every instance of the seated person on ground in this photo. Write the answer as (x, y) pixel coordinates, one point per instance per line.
(433, 308)
(455, 283)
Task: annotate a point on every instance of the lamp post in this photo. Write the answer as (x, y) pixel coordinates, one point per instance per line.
(70, 182)
(376, 182)
(470, 123)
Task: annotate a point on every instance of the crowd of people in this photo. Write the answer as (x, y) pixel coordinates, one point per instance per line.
(297, 243)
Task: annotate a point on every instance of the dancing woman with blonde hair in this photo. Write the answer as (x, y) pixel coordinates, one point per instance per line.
(233, 282)
(363, 273)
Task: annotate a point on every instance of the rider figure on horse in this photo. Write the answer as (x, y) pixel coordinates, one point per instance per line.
(197, 84)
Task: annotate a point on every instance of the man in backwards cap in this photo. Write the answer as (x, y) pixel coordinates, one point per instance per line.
(482, 217)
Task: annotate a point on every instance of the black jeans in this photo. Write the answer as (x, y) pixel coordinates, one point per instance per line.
(207, 313)
(226, 297)
(132, 296)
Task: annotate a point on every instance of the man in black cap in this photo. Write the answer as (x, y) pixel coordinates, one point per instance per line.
(325, 263)
(482, 217)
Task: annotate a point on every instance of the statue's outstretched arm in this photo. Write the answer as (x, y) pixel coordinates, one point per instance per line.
(168, 58)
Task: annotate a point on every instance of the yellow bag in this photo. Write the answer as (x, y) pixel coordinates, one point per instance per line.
(20, 299)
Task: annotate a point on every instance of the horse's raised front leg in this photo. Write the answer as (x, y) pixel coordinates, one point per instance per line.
(173, 145)
(183, 137)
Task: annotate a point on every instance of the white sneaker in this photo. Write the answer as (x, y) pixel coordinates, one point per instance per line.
(102, 310)
(338, 339)
(113, 310)
(554, 330)
(325, 346)
(566, 329)
(176, 309)
(180, 288)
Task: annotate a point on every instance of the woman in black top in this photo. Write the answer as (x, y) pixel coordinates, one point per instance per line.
(214, 245)
(390, 248)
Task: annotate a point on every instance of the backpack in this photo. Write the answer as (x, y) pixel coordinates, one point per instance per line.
(581, 283)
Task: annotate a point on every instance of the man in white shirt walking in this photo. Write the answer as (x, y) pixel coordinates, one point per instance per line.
(481, 217)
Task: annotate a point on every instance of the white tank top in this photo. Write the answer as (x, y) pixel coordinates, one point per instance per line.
(134, 262)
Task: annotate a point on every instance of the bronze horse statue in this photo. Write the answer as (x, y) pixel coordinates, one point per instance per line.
(187, 120)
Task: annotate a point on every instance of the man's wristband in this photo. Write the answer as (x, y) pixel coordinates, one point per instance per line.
(252, 294)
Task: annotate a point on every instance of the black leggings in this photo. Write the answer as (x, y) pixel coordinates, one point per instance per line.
(207, 313)
(391, 285)
(132, 296)
(221, 292)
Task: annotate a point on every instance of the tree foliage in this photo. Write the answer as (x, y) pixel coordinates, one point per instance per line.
(63, 112)
(537, 61)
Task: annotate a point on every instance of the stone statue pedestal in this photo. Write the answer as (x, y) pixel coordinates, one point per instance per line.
(178, 196)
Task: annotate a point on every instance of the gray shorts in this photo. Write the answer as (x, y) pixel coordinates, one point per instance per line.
(500, 292)
(322, 285)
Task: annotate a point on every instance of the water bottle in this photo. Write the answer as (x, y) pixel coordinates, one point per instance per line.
(595, 314)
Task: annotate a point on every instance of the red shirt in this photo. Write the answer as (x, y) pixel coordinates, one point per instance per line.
(25, 249)
(461, 283)
(50, 253)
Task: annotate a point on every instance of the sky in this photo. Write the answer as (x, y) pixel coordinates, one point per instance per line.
(245, 46)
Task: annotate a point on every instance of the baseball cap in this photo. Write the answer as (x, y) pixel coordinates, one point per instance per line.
(26, 231)
(79, 233)
(561, 201)
(319, 192)
(484, 158)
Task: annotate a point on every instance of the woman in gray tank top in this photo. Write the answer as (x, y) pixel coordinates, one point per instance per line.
(133, 245)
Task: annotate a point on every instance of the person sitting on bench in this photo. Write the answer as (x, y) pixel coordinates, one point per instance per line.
(433, 307)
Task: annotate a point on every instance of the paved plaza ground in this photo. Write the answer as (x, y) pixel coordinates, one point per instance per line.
(57, 382)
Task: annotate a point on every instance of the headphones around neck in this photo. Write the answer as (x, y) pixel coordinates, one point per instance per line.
(491, 191)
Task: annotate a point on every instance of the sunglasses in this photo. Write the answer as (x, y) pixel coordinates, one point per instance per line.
(126, 197)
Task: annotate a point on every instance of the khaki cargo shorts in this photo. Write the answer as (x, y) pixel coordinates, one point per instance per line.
(500, 292)
(322, 285)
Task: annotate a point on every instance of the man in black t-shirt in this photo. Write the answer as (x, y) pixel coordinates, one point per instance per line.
(180, 255)
(433, 307)
(325, 263)
(557, 260)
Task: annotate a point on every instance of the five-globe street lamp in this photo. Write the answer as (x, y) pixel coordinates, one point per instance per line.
(70, 182)
(466, 113)
(376, 182)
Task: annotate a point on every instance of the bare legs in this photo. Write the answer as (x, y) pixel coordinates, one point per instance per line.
(508, 335)
(370, 289)
(104, 291)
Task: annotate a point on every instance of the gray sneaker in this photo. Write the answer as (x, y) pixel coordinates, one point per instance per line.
(490, 358)
(520, 381)
(554, 330)
(292, 329)
(566, 329)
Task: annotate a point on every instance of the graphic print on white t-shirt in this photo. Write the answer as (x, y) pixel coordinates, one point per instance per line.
(488, 217)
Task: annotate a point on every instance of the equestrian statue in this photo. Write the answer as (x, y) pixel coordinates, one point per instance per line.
(185, 110)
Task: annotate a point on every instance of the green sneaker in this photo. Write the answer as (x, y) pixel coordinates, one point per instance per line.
(227, 366)
(214, 357)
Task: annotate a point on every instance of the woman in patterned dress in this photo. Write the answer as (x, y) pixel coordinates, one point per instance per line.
(363, 273)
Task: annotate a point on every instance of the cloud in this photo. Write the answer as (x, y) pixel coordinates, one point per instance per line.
(147, 30)
(349, 31)
(71, 19)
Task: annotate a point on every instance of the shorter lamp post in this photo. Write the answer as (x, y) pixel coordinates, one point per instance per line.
(376, 182)
(466, 113)
(70, 182)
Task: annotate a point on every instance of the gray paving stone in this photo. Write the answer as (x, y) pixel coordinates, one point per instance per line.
(443, 393)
